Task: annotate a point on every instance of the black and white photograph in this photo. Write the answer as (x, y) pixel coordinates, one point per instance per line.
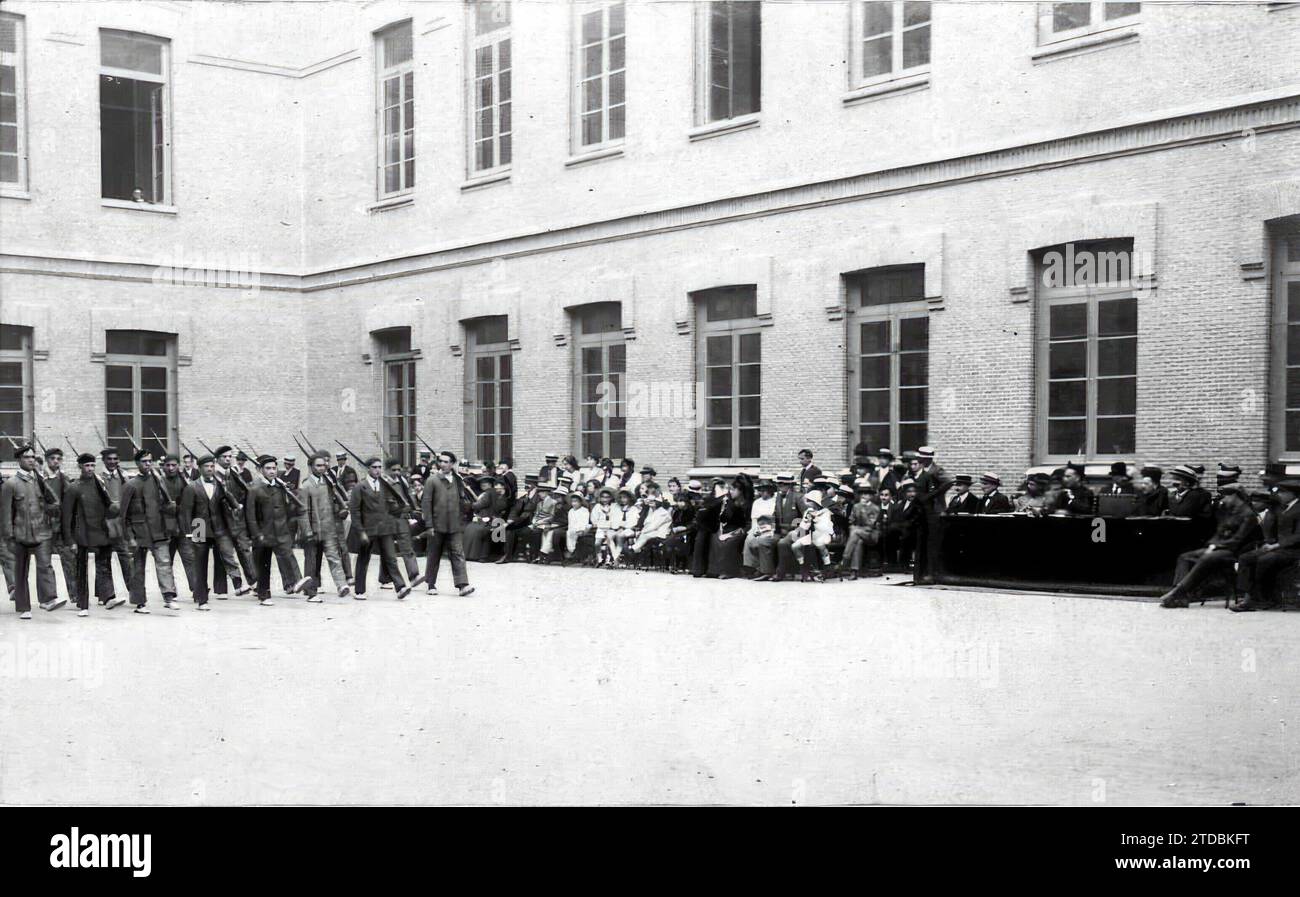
(650, 403)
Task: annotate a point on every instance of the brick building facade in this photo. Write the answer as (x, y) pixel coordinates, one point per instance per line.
(831, 220)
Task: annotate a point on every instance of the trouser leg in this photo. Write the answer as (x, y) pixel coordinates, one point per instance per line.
(189, 551)
(81, 581)
(290, 574)
(104, 572)
(361, 569)
(454, 546)
(262, 560)
(67, 553)
(852, 557)
(22, 565)
(434, 558)
(1267, 570)
(162, 568)
(139, 566)
(405, 547)
(388, 556)
(334, 559)
(7, 564)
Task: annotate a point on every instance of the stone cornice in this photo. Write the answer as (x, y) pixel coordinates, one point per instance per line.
(1243, 117)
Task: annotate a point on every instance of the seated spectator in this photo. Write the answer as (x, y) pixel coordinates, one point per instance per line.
(760, 542)
(862, 547)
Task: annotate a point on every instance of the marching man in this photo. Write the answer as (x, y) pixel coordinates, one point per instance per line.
(24, 524)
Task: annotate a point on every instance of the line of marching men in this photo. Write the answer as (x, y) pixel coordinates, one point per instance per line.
(221, 516)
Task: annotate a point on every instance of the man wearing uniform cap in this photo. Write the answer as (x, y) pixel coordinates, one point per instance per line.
(1237, 530)
(173, 483)
(344, 472)
(267, 513)
(114, 482)
(83, 517)
(204, 516)
(144, 512)
(1257, 570)
(236, 496)
(58, 483)
(25, 525)
(993, 501)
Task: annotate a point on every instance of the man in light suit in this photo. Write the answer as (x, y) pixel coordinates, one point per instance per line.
(319, 527)
(443, 511)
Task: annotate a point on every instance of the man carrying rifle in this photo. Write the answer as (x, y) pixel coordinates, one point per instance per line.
(173, 483)
(319, 526)
(444, 515)
(204, 518)
(146, 508)
(408, 522)
(58, 483)
(84, 518)
(114, 483)
(267, 512)
(24, 523)
(375, 508)
(235, 494)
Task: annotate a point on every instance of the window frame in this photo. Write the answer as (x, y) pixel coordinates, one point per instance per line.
(1097, 22)
(405, 362)
(473, 43)
(166, 361)
(404, 72)
(735, 328)
(703, 68)
(577, 80)
(857, 50)
(163, 177)
(24, 355)
(1091, 295)
(894, 313)
(1281, 273)
(475, 350)
(18, 60)
(604, 341)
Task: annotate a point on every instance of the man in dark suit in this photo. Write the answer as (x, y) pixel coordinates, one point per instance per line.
(24, 523)
(174, 484)
(905, 516)
(1076, 497)
(993, 501)
(204, 518)
(83, 517)
(291, 475)
(1120, 481)
(143, 501)
(114, 482)
(374, 508)
(444, 514)
(235, 492)
(1188, 498)
(808, 471)
(1236, 531)
(1152, 497)
(550, 471)
(58, 483)
(344, 472)
(267, 512)
(1257, 570)
(518, 518)
(408, 525)
(962, 501)
(424, 467)
(932, 481)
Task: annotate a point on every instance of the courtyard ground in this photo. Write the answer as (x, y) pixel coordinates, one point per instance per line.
(588, 686)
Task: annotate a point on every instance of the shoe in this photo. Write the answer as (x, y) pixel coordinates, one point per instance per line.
(243, 589)
(432, 590)
(403, 592)
(780, 577)
(203, 606)
(220, 597)
(142, 610)
(1246, 607)
(315, 599)
(385, 585)
(265, 602)
(114, 602)
(25, 615)
(817, 577)
(55, 604)
(466, 590)
(345, 592)
(305, 583)
(359, 597)
(502, 561)
(83, 613)
(169, 603)
(1171, 600)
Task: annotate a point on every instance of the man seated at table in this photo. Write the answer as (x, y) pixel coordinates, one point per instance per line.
(962, 501)
(1076, 498)
(993, 501)
(1152, 499)
(1257, 570)
(1237, 530)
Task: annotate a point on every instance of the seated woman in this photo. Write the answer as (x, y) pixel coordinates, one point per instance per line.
(727, 539)
(681, 535)
(658, 524)
(487, 510)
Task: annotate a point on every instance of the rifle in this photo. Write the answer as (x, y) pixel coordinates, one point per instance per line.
(337, 492)
(40, 479)
(382, 478)
(293, 496)
(465, 487)
(153, 471)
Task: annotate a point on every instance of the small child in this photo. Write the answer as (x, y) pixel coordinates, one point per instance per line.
(579, 522)
(606, 519)
(627, 521)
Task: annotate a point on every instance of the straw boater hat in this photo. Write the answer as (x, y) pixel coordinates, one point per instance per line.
(990, 479)
(1186, 472)
(814, 497)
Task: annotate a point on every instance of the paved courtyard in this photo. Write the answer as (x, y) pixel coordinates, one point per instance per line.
(588, 686)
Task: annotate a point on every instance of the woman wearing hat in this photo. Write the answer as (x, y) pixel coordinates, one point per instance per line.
(1034, 499)
(681, 535)
(727, 540)
(488, 511)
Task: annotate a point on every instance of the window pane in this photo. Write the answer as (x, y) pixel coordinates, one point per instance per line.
(718, 350)
(877, 56)
(912, 436)
(1070, 15)
(153, 378)
(11, 373)
(875, 337)
(750, 379)
(1117, 317)
(914, 369)
(153, 402)
(748, 444)
(877, 17)
(12, 337)
(718, 443)
(1116, 356)
(126, 51)
(1293, 387)
(1119, 10)
(1067, 398)
(750, 347)
(873, 405)
(1117, 395)
(719, 413)
(912, 403)
(719, 381)
(1293, 431)
(1116, 435)
(1065, 360)
(915, 13)
(118, 377)
(876, 435)
(1066, 437)
(750, 411)
(119, 401)
(916, 47)
(874, 372)
(1068, 320)
(914, 334)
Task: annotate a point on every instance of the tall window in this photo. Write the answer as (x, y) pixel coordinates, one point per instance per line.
(889, 357)
(398, 361)
(490, 376)
(1061, 21)
(13, 137)
(396, 103)
(731, 360)
(602, 364)
(134, 114)
(891, 38)
(1286, 342)
(140, 390)
(1087, 344)
(600, 94)
(490, 91)
(15, 381)
(731, 53)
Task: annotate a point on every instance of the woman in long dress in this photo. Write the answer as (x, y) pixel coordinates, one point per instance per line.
(488, 508)
(727, 540)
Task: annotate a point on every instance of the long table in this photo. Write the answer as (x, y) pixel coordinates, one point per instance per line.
(1110, 555)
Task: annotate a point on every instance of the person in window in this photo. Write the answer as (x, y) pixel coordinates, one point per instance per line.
(808, 471)
(1120, 481)
(727, 539)
(25, 506)
(1188, 498)
(1151, 499)
(992, 501)
(443, 509)
(1236, 531)
(549, 472)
